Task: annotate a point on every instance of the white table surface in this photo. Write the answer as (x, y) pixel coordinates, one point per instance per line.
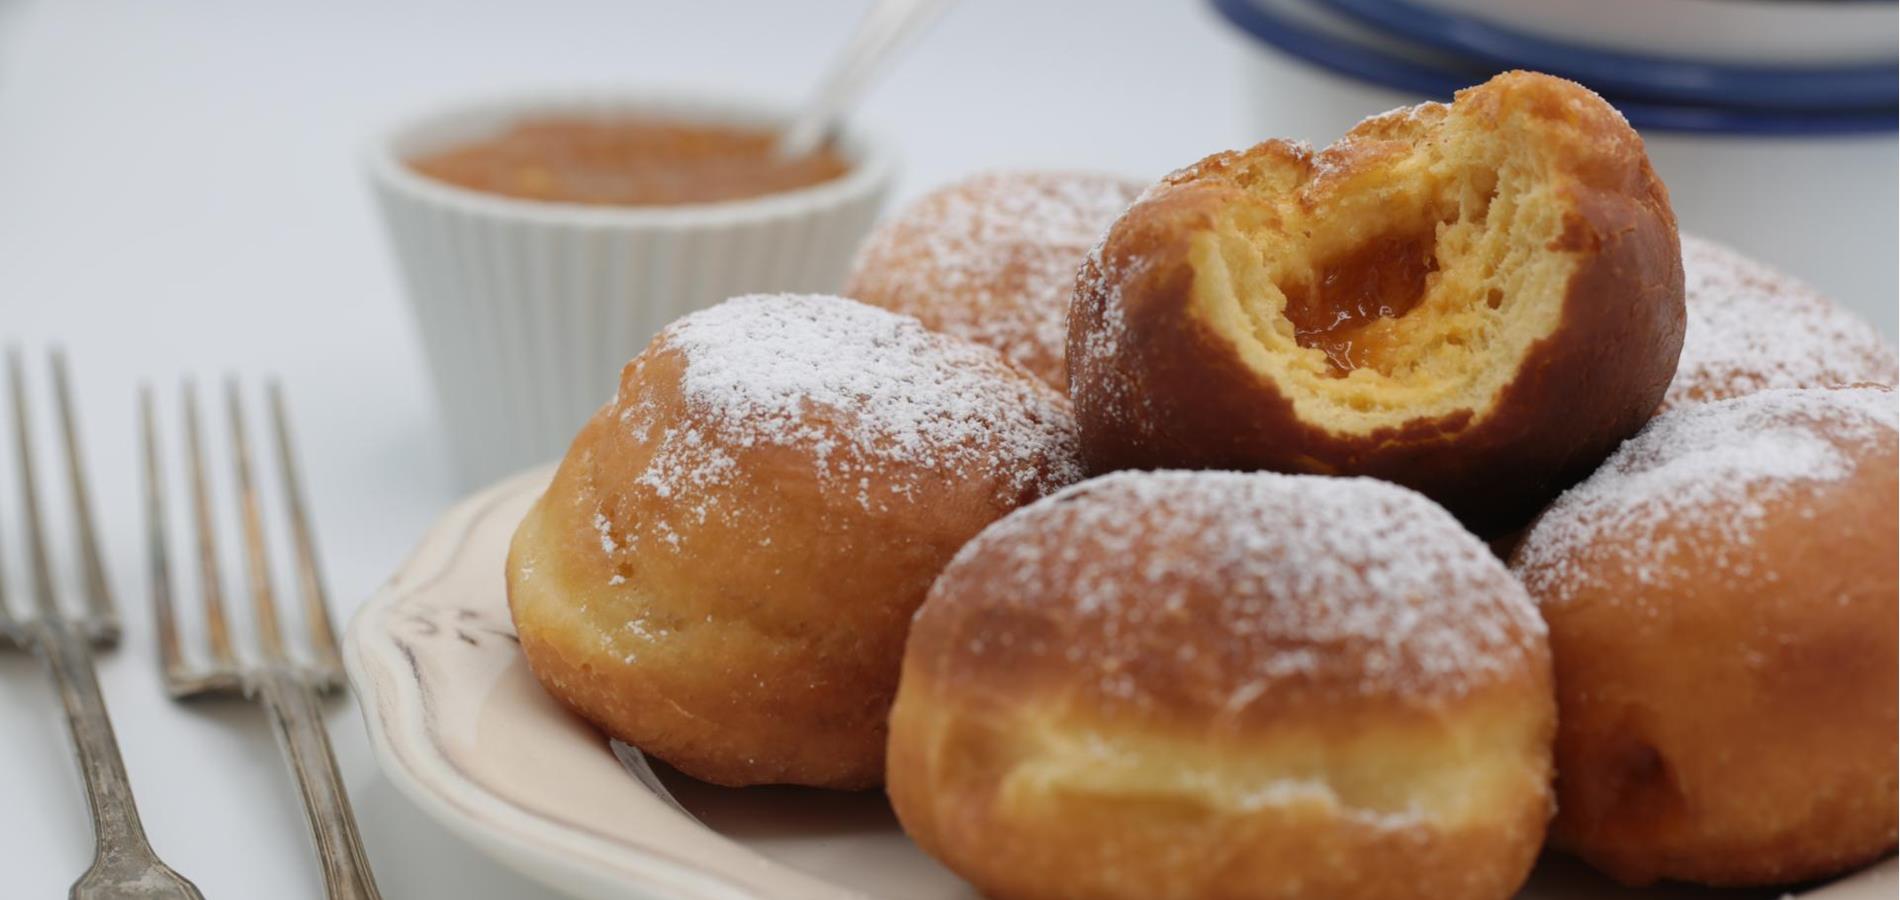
(179, 194)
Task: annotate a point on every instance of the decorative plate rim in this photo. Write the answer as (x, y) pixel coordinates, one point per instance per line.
(384, 673)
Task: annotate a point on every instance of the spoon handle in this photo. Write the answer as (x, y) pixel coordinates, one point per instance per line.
(886, 28)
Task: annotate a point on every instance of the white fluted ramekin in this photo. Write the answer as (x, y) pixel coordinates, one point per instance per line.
(527, 310)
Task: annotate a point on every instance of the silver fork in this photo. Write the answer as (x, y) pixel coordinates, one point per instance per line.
(124, 866)
(287, 689)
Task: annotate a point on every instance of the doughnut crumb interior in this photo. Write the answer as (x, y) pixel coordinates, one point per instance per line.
(1413, 299)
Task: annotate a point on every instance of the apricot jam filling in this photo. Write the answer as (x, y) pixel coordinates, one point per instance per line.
(1383, 278)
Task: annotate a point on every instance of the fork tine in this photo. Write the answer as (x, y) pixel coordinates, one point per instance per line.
(9, 626)
(102, 619)
(270, 677)
(210, 580)
(171, 662)
(316, 605)
(270, 636)
(29, 495)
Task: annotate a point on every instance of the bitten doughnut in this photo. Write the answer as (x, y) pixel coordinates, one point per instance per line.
(1751, 328)
(993, 258)
(1478, 301)
(1721, 601)
(1197, 684)
(724, 567)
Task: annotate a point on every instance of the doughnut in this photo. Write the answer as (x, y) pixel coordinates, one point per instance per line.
(1177, 685)
(1477, 300)
(1721, 599)
(993, 258)
(724, 567)
(1751, 328)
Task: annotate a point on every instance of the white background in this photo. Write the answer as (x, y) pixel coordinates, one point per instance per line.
(179, 193)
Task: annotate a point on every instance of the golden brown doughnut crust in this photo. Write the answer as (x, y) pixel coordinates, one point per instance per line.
(992, 258)
(1181, 354)
(1223, 685)
(1721, 601)
(724, 567)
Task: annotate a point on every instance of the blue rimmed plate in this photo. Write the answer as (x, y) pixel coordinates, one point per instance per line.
(1668, 79)
(1758, 33)
(1302, 29)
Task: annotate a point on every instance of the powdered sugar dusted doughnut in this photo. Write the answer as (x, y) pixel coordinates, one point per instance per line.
(1721, 599)
(724, 568)
(1751, 328)
(1220, 684)
(993, 258)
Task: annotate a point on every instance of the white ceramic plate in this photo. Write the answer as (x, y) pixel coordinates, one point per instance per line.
(461, 727)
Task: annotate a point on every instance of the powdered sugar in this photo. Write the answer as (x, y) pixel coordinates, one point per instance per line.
(1338, 580)
(1751, 328)
(873, 400)
(605, 528)
(1110, 388)
(993, 258)
(1722, 466)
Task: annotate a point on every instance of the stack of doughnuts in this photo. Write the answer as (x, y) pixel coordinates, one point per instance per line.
(1264, 652)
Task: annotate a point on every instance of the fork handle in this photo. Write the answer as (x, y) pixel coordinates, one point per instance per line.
(297, 718)
(119, 842)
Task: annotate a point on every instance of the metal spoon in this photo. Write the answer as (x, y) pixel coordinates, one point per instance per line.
(886, 28)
